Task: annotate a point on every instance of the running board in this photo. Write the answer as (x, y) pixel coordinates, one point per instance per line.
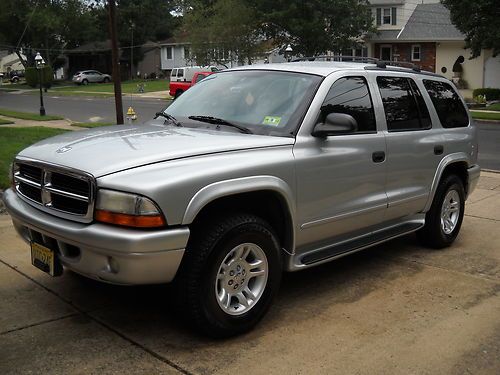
(359, 243)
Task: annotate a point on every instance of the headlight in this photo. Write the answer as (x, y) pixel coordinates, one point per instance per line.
(127, 209)
(13, 169)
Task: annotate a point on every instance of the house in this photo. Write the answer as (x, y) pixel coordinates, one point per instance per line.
(422, 33)
(175, 52)
(10, 62)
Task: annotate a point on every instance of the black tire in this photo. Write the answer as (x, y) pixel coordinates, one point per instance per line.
(433, 234)
(85, 82)
(177, 94)
(15, 80)
(106, 80)
(195, 282)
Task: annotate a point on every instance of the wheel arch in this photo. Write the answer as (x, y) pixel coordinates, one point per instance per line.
(266, 196)
(456, 163)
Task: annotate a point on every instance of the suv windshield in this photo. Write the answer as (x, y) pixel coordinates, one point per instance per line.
(266, 102)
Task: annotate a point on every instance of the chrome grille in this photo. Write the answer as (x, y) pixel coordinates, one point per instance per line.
(59, 191)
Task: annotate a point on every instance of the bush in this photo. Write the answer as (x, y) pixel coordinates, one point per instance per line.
(489, 93)
(32, 77)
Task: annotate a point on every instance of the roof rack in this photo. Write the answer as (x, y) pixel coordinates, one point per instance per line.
(380, 63)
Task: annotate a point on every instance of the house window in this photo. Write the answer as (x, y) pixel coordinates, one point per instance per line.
(415, 52)
(170, 53)
(186, 54)
(386, 18)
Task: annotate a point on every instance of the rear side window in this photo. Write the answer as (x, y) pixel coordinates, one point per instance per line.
(350, 95)
(174, 73)
(404, 106)
(180, 73)
(449, 107)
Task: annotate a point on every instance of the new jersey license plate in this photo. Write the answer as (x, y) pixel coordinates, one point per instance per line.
(45, 259)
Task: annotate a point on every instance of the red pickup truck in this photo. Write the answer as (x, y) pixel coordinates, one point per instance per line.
(177, 88)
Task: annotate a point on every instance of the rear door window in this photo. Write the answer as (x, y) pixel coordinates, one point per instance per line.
(448, 105)
(174, 73)
(404, 107)
(180, 73)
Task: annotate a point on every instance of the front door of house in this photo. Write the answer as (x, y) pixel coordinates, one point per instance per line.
(386, 53)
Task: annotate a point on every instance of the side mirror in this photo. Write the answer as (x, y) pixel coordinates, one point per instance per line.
(335, 124)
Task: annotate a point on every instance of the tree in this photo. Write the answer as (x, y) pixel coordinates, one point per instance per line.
(479, 20)
(221, 30)
(311, 27)
(316, 26)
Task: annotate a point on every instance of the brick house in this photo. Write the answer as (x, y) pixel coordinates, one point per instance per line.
(422, 33)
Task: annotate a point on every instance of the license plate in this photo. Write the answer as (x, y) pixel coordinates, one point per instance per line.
(45, 259)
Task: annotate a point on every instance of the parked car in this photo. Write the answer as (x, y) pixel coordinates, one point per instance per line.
(177, 88)
(16, 75)
(259, 170)
(90, 76)
(186, 73)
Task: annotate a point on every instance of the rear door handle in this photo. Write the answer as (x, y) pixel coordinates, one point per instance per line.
(438, 149)
(378, 156)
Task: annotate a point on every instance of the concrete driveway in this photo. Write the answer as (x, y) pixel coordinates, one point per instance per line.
(394, 309)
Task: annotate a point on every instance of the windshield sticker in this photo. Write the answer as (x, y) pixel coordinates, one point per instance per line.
(271, 120)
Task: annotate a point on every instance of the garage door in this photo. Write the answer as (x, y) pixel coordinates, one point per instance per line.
(492, 72)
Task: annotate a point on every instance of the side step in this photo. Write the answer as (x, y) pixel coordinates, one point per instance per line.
(359, 243)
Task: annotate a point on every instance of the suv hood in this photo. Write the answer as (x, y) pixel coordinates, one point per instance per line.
(103, 151)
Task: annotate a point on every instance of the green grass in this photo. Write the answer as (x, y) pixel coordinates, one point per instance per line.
(485, 115)
(28, 116)
(13, 140)
(5, 122)
(91, 124)
(493, 107)
(128, 87)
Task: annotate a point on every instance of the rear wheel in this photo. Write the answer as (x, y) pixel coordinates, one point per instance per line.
(85, 82)
(444, 219)
(106, 80)
(229, 276)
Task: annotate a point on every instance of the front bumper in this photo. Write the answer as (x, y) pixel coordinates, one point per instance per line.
(102, 252)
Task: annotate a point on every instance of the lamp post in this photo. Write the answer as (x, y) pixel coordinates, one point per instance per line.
(288, 53)
(39, 62)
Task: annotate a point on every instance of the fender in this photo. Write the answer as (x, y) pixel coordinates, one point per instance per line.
(241, 185)
(447, 160)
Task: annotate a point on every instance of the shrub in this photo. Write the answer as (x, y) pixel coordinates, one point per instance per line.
(32, 77)
(489, 93)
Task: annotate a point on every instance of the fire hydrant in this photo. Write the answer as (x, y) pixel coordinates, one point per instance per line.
(131, 115)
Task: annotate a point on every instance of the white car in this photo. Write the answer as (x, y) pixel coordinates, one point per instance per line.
(90, 76)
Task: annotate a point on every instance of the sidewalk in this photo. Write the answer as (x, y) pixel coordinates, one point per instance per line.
(397, 308)
(19, 123)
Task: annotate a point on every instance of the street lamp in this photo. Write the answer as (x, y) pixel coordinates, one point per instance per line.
(39, 62)
(288, 52)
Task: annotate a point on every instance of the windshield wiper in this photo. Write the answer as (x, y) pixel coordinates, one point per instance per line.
(220, 121)
(170, 118)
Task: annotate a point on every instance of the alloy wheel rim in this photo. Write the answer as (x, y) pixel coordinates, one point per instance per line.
(241, 279)
(450, 211)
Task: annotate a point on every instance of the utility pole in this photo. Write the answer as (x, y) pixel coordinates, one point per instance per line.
(114, 59)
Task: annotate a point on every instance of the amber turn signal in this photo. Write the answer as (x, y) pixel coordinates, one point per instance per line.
(147, 221)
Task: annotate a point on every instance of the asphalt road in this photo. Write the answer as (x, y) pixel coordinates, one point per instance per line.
(84, 109)
(81, 109)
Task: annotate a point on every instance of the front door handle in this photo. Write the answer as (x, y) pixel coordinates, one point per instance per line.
(438, 149)
(378, 156)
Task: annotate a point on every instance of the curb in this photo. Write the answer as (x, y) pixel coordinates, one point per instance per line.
(490, 170)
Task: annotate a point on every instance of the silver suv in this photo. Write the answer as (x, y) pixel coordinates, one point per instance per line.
(254, 171)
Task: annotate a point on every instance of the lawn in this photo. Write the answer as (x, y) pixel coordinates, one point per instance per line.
(13, 140)
(91, 124)
(493, 107)
(485, 115)
(28, 115)
(5, 122)
(128, 87)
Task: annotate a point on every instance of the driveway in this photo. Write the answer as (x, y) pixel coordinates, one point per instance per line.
(397, 308)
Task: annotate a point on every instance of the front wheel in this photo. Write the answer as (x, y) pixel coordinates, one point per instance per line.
(106, 80)
(444, 219)
(85, 82)
(230, 275)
